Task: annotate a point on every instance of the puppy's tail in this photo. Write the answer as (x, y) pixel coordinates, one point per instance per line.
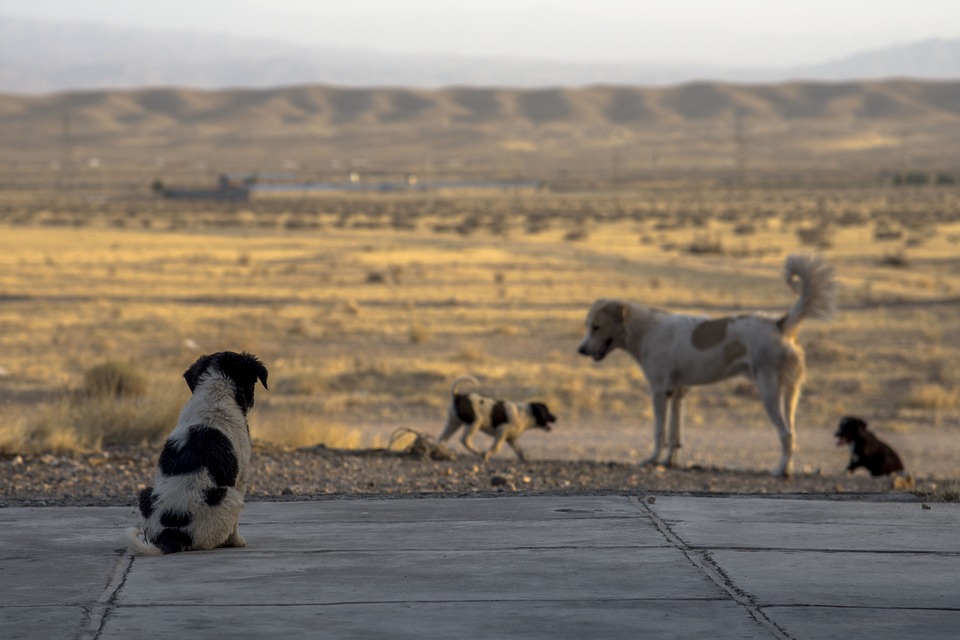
(813, 280)
(461, 380)
(138, 546)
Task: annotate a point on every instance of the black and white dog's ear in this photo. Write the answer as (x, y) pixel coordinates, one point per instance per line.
(193, 373)
(244, 369)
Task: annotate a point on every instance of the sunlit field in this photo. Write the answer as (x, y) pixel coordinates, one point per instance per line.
(365, 308)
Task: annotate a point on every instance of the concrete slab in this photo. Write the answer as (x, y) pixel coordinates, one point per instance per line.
(504, 567)
(525, 620)
(822, 525)
(831, 623)
(904, 580)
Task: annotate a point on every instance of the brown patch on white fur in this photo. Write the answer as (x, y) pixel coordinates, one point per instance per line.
(710, 333)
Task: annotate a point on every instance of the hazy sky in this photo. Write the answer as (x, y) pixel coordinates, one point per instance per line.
(756, 33)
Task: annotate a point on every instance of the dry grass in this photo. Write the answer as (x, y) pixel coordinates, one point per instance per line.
(353, 357)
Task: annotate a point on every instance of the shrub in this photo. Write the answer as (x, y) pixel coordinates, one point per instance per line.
(114, 379)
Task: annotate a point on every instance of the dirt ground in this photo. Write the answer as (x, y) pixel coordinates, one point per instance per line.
(716, 460)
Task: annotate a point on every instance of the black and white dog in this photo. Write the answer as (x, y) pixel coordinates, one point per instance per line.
(866, 449)
(201, 477)
(505, 421)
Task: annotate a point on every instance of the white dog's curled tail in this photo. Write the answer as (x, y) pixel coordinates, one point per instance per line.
(813, 280)
(461, 380)
(138, 546)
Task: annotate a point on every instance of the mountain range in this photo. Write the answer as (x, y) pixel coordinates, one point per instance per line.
(42, 57)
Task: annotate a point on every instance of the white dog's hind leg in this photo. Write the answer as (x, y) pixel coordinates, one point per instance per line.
(676, 420)
(659, 422)
(769, 387)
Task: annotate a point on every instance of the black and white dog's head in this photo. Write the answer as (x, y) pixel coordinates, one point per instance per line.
(541, 414)
(243, 369)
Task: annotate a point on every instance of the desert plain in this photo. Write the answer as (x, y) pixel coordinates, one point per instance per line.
(367, 303)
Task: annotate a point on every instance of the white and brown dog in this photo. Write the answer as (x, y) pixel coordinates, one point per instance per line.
(505, 421)
(201, 477)
(677, 351)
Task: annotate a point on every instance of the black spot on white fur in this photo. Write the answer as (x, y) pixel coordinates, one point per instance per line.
(203, 448)
(215, 496)
(173, 541)
(498, 414)
(175, 519)
(464, 408)
(146, 502)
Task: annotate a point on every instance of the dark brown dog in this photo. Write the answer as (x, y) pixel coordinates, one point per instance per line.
(866, 449)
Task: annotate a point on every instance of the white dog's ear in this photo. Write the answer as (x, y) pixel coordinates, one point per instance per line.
(618, 311)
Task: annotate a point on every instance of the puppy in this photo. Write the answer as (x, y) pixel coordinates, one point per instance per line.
(201, 477)
(866, 449)
(505, 421)
(678, 351)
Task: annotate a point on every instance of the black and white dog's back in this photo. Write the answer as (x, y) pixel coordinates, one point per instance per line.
(201, 477)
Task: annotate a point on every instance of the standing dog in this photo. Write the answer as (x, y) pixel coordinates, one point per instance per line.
(866, 450)
(677, 351)
(505, 421)
(201, 477)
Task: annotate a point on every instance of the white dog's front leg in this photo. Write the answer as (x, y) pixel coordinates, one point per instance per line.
(676, 419)
(659, 422)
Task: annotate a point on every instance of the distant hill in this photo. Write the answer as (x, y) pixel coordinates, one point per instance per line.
(39, 57)
(778, 126)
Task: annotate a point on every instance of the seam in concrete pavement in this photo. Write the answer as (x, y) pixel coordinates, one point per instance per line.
(701, 559)
(104, 603)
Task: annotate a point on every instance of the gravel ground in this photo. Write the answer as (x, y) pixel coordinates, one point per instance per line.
(115, 476)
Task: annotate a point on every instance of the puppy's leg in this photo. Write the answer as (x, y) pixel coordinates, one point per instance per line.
(676, 419)
(453, 423)
(498, 441)
(467, 440)
(235, 539)
(230, 509)
(516, 449)
(770, 393)
(659, 420)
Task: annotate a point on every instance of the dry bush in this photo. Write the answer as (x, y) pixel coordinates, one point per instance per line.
(293, 429)
(706, 244)
(87, 423)
(418, 333)
(932, 396)
(114, 379)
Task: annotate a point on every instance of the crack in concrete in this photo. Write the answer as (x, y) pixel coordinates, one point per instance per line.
(97, 613)
(704, 562)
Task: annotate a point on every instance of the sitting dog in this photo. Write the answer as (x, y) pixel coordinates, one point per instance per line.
(505, 421)
(678, 351)
(866, 449)
(201, 477)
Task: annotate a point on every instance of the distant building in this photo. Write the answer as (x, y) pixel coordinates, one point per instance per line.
(227, 189)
